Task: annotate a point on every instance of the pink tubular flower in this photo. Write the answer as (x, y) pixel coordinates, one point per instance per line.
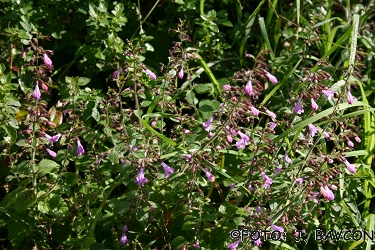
(254, 111)
(350, 144)
(167, 170)
(272, 125)
(181, 73)
(151, 74)
(258, 242)
(286, 158)
(334, 187)
(350, 97)
(207, 125)
(125, 228)
(268, 180)
(116, 74)
(123, 240)
(196, 245)
(326, 135)
(47, 60)
(210, 177)
(329, 93)
(314, 106)
(313, 197)
(312, 130)
(227, 87)
(298, 109)
(299, 180)
(234, 245)
(36, 93)
(250, 187)
(249, 87)
(357, 139)
(277, 228)
(140, 179)
(229, 138)
(350, 167)
(243, 141)
(272, 114)
(80, 149)
(271, 77)
(188, 157)
(52, 139)
(327, 193)
(51, 153)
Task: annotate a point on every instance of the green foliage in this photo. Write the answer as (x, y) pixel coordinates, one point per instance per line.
(185, 92)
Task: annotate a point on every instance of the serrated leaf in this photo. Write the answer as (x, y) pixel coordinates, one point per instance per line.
(47, 166)
(114, 156)
(24, 200)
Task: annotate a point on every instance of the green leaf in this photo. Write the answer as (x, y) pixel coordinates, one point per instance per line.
(190, 95)
(95, 114)
(24, 199)
(203, 88)
(82, 81)
(114, 156)
(47, 166)
(178, 242)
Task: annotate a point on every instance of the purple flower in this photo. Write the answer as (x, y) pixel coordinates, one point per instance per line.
(258, 210)
(125, 228)
(258, 242)
(312, 130)
(151, 74)
(268, 180)
(232, 186)
(298, 109)
(334, 187)
(188, 157)
(36, 93)
(277, 228)
(229, 139)
(313, 197)
(271, 77)
(357, 139)
(227, 87)
(277, 171)
(327, 193)
(196, 245)
(314, 106)
(47, 60)
(254, 111)
(286, 158)
(140, 179)
(116, 74)
(350, 97)
(234, 245)
(80, 149)
(350, 167)
(272, 125)
(249, 87)
(326, 135)
(243, 141)
(51, 153)
(350, 144)
(299, 180)
(52, 139)
(181, 73)
(329, 93)
(210, 177)
(207, 125)
(123, 240)
(272, 114)
(167, 170)
(250, 187)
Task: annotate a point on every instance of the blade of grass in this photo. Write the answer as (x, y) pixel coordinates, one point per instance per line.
(318, 116)
(209, 74)
(263, 29)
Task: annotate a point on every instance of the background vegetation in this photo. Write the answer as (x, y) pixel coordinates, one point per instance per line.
(169, 124)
